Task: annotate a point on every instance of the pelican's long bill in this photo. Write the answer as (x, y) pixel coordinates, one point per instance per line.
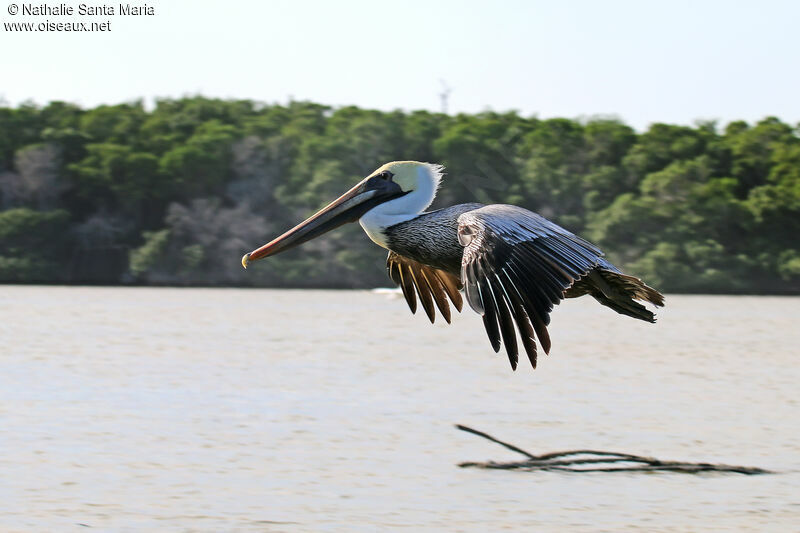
(349, 207)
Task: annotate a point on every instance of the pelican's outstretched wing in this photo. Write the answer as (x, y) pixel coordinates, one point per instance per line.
(432, 285)
(516, 266)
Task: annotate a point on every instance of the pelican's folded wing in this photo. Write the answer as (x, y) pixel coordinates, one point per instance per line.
(516, 266)
(432, 285)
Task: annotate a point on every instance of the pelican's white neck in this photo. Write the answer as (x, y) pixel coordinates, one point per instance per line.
(376, 220)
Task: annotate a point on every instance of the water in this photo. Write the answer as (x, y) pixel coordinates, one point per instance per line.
(259, 410)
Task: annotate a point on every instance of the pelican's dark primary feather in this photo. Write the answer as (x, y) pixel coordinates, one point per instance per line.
(527, 263)
(432, 285)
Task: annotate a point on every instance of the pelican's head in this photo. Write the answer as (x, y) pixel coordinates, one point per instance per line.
(396, 191)
(419, 180)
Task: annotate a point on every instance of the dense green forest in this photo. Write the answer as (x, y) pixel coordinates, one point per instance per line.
(176, 194)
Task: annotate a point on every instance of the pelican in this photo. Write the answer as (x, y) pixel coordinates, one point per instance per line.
(512, 264)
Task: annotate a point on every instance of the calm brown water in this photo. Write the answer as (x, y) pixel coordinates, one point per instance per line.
(261, 410)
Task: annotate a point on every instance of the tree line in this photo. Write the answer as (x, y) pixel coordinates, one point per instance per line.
(176, 194)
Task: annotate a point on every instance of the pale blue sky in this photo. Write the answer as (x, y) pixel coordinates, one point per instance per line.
(643, 61)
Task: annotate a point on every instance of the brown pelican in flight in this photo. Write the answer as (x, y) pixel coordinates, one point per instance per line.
(513, 265)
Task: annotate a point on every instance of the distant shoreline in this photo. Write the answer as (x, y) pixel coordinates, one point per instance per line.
(322, 288)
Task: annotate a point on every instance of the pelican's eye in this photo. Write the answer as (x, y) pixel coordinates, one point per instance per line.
(386, 175)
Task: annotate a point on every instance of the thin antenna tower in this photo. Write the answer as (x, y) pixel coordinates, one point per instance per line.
(444, 95)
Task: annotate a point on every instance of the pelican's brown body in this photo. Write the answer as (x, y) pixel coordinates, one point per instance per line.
(431, 238)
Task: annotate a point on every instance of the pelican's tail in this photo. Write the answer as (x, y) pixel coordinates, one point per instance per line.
(618, 291)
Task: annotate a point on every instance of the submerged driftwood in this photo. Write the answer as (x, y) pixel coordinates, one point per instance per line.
(598, 461)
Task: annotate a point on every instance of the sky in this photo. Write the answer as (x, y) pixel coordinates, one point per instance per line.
(641, 61)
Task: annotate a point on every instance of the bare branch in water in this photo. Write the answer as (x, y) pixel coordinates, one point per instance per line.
(595, 461)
